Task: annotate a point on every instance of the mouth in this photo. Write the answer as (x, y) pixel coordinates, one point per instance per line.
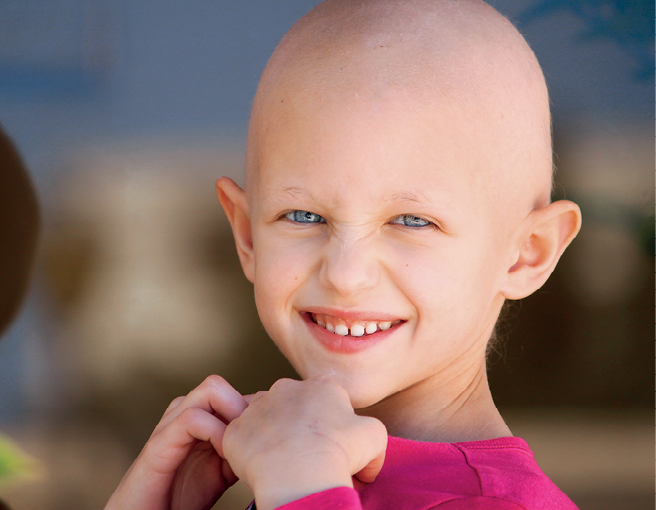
(355, 328)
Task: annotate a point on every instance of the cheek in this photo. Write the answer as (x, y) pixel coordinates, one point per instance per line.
(281, 260)
(282, 265)
(428, 276)
(446, 285)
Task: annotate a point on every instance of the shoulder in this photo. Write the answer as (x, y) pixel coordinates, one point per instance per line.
(508, 472)
(497, 474)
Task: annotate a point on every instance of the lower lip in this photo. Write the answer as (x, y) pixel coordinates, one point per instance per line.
(346, 344)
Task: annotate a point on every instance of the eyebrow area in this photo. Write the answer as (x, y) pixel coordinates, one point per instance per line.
(440, 211)
(415, 197)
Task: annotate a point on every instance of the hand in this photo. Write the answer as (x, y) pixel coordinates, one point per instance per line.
(302, 437)
(182, 465)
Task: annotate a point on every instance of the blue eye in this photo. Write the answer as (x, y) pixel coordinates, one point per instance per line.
(304, 217)
(408, 220)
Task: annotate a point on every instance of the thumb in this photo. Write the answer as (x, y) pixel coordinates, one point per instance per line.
(369, 473)
(375, 446)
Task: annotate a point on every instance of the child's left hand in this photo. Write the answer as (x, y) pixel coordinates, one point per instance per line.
(182, 465)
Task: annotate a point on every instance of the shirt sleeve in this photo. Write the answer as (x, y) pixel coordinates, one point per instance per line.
(479, 503)
(339, 498)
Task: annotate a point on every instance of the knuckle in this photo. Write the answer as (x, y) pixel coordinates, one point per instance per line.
(252, 399)
(231, 435)
(282, 384)
(376, 427)
(176, 401)
(326, 381)
(233, 427)
(214, 382)
(330, 385)
(323, 380)
(320, 383)
(189, 415)
(260, 394)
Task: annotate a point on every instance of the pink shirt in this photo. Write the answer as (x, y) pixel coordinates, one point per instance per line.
(497, 474)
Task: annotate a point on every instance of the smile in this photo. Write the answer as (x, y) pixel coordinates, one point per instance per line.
(352, 328)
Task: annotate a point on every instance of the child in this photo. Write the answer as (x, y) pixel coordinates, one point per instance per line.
(398, 192)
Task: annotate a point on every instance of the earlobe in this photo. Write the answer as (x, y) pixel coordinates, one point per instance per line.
(235, 204)
(547, 232)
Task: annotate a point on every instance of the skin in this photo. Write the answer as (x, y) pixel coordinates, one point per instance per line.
(417, 135)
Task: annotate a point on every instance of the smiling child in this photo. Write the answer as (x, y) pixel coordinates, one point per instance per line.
(399, 172)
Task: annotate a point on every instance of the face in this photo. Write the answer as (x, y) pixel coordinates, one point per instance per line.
(378, 251)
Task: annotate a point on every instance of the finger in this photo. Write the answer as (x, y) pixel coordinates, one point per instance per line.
(174, 403)
(166, 417)
(165, 420)
(369, 473)
(228, 474)
(252, 396)
(147, 483)
(214, 395)
(168, 448)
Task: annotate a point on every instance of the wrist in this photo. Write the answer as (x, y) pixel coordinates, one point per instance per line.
(290, 482)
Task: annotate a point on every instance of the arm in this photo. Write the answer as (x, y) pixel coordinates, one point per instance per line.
(339, 498)
(302, 438)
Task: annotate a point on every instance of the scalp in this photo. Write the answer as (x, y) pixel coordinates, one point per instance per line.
(448, 57)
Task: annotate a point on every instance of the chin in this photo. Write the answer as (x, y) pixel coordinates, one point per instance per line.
(361, 395)
(362, 390)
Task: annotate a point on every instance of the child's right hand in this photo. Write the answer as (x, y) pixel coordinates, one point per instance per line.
(182, 465)
(301, 438)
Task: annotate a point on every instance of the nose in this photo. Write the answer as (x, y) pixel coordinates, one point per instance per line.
(350, 266)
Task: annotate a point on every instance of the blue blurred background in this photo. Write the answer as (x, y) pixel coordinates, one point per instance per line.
(126, 111)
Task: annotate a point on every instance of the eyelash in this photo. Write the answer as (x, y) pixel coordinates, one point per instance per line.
(403, 217)
(298, 216)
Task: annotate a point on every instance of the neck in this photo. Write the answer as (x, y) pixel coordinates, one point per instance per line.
(444, 408)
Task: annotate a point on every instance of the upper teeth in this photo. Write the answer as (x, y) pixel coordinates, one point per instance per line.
(344, 327)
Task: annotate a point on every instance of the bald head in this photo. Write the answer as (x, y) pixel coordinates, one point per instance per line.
(458, 62)
(399, 161)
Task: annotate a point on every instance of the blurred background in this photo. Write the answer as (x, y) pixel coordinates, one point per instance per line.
(126, 111)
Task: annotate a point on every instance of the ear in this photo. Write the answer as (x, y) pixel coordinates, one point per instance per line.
(547, 232)
(235, 204)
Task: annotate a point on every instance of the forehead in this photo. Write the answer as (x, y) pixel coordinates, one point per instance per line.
(388, 147)
(449, 89)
